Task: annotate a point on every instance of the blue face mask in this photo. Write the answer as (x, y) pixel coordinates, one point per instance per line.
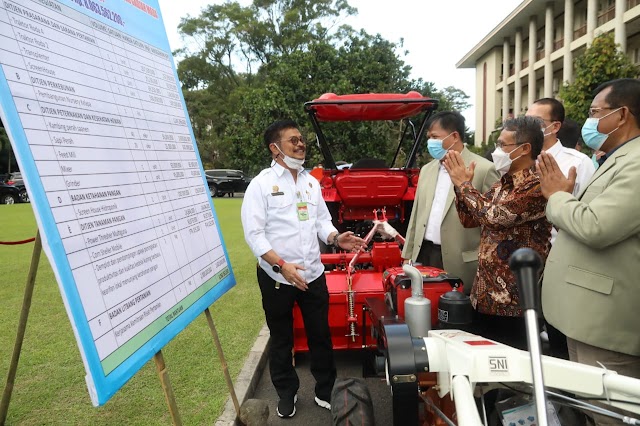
(435, 148)
(590, 134)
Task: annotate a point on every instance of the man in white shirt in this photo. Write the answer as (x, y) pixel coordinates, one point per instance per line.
(283, 217)
(551, 112)
(435, 236)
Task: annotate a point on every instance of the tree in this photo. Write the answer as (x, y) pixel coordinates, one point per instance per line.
(601, 62)
(453, 99)
(244, 67)
(235, 37)
(293, 79)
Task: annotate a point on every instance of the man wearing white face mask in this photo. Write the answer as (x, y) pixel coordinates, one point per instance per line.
(435, 236)
(590, 289)
(551, 112)
(510, 216)
(283, 217)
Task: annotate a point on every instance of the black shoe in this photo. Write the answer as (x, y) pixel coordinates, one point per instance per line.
(287, 406)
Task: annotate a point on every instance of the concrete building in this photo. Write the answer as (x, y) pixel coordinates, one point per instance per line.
(530, 54)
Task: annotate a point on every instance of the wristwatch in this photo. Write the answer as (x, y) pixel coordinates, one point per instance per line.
(335, 240)
(277, 267)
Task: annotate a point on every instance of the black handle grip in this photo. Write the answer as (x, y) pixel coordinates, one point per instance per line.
(526, 264)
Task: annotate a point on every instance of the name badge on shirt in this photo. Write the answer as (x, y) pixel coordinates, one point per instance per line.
(303, 212)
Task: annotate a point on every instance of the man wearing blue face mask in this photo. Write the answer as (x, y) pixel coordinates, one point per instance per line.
(435, 236)
(590, 289)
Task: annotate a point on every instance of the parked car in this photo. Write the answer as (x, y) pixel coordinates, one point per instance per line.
(226, 181)
(9, 194)
(15, 179)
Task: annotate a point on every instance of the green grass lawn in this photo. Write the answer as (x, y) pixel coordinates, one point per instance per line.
(50, 386)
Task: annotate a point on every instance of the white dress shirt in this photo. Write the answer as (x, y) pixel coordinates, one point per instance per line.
(270, 220)
(437, 207)
(567, 158)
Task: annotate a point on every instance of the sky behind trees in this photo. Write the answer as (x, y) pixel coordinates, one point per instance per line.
(437, 34)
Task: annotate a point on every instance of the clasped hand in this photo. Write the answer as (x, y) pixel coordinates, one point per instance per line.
(456, 168)
(552, 179)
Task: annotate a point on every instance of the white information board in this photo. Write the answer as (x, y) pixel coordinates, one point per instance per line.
(91, 102)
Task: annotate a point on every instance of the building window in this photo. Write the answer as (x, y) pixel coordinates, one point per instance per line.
(606, 12)
(558, 44)
(580, 31)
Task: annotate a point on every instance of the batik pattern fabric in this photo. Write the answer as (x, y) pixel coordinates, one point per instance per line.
(511, 215)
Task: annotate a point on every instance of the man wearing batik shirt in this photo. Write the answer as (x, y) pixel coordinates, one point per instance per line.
(511, 215)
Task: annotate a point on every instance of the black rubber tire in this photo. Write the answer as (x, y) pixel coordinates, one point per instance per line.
(351, 403)
(8, 199)
(24, 196)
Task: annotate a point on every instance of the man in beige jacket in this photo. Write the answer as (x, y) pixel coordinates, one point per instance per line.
(590, 290)
(435, 236)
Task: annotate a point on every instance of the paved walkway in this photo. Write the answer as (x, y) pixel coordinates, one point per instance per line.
(254, 382)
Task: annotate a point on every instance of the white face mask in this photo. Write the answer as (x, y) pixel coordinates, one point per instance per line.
(502, 160)
(292, 163)
(544, 129)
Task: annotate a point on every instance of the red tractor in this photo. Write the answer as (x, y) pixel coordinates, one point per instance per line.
(367, 197)
(388, 311)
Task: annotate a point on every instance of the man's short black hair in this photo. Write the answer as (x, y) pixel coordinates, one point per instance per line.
(624, 92)
(527, 130)
(569, 133)
(272, 134)
(557, 109)
(450, 121)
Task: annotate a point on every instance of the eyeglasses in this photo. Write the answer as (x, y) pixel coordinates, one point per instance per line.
(594, 111)
(545, 120)
(502, 145)
(295, 140)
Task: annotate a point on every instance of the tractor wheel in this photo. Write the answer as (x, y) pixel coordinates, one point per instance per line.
(351, 403)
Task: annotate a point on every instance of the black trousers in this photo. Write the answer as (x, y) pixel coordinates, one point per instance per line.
(430, 254)
(557, 342)
(511, 331)
(278, 309)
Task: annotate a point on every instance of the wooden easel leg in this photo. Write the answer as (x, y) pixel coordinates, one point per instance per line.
(223, 361)
(22, 326)
(168, 390)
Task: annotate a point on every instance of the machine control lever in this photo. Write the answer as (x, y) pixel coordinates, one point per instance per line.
(525, 265)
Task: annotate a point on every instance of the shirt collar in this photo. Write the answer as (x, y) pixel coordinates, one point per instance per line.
(610, 153)
(279, 170)
(519, 177)
(555, 149)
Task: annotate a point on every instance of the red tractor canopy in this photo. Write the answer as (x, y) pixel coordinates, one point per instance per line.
(370, 183)
(371, 107)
